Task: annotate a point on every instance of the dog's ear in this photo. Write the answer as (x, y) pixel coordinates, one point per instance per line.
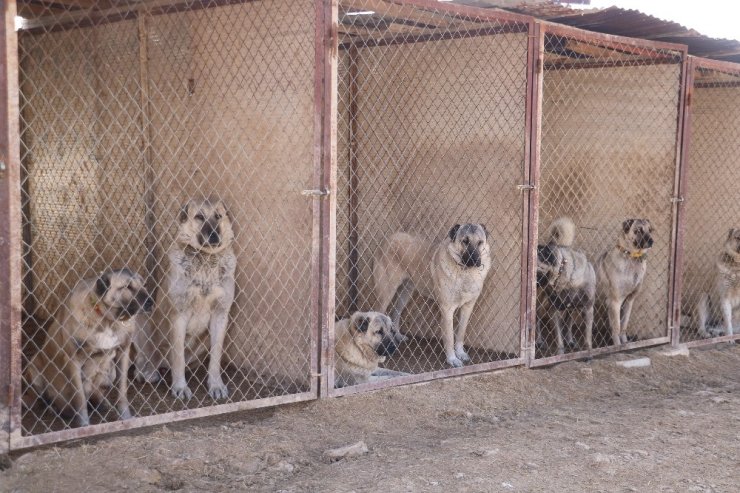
(485, 230)
(546, 255)
(626, 225)
(361, 323)
(183, 215)
(453, 232)
(102, 284)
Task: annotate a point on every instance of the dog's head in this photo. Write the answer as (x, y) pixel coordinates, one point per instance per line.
(469, 244)
(732, 244)
(637, 235)
(205, 225)
(121, 295)
(547, 264)
(375, 330)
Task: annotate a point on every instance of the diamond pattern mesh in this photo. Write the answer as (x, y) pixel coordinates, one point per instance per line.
(431, 134)
(609, 123)
(711, 197)
(125, 115)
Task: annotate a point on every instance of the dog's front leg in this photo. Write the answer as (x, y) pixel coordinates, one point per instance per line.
(79, 399)
(448, 314)
(123, 362)
(557, 320)
(626, 312)
(615, 307)
(589, 321)
(217, 329)
(180, 388)
(462, 325)
(727, 316)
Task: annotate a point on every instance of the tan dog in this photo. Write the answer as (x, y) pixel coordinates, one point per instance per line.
(621, 271)
(567, 282)
(192, 317)
(725, 296)
(363, 341)
(451, 272)
(87, 347)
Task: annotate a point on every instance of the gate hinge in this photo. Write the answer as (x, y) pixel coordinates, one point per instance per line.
(525, 186)
(677, 199)
(316, 193)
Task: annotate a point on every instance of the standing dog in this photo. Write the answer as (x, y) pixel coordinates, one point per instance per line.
(194, 311)
(621, 272)
(362, 342)
(725, 295)
(87, 347)
(567, 281)
(451, 272)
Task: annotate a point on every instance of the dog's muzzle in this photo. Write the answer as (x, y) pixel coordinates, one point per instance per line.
(209, 235)
(142, 303)
(471, 258)
(644, 241)
(387, 347)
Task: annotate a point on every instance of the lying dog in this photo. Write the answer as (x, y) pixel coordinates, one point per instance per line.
(451, 272)
(620, 272)
(725, 295)
(362, 342)
(194, 312)
(87, 347)
(567, 281)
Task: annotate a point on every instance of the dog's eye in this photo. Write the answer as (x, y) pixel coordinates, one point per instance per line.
(200, 217)
(217, 216)
(465, 241)
(480, 242)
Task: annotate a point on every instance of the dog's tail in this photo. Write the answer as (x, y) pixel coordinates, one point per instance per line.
(562, 232)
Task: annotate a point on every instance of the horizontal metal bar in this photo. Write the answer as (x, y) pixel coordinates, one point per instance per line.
(18, 442)
(645, 62)
(426, 377)
(711, 340)
(551, 360)
(466, 11)
(719, 65)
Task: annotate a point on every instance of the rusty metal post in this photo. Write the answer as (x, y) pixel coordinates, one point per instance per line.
(354, 183)
(10, 232)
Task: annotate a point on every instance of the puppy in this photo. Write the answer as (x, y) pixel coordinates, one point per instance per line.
(194, 312)
(451, 272)
(567, 281)
(620, 272)
(87, 347)
(725, 295)
(362, 342)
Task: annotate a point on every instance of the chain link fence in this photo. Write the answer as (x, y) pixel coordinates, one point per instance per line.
(173, 140)
(711, 243)
(610, 108)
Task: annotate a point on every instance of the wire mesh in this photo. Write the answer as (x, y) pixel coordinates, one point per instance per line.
(607, 173)
(711, 255)
(133, 114)
(432, 106)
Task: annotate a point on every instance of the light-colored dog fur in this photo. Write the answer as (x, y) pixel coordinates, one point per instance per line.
(567, 282)
(88, 344)
(620, 273)
(451, 271)
(362, 342)
(719, 304)
(193, 314)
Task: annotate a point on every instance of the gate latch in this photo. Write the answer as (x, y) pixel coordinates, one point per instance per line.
(316, 193)
(526, 186)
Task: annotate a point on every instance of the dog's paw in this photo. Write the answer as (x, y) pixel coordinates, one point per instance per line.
(454, 362)
(218, 391)
(561, 350)
(182, 392)
(461, 354)
(125, 414)
(152, 377)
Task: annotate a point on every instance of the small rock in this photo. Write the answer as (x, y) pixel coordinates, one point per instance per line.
(434, 483)
(675, 351)
(459, 475)
(508, 486)
(583, 446)
(149, 476)
(634, 363)
(601, 458)
(587, 372)
(719, 400)
(486, 453)
(353, 450)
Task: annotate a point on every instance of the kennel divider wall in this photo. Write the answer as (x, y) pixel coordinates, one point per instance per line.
(712, 171)
(123, 120)
(610, 128)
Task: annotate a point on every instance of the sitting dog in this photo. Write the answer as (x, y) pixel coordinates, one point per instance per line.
(362, 342)
(194, 312)
(725, 296)
(87, 347)
(451, 272)
(620, 272)
(567, 281)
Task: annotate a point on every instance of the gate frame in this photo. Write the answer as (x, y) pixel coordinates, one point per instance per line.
(692, 64)
(609, 41)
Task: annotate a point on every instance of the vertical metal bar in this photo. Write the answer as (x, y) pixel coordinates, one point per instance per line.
(325, 155)
(353, 179)
(683, 147)
(150, 219)
(10, 233)
(535, 57)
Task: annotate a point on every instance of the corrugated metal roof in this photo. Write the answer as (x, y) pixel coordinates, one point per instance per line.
(622, 22)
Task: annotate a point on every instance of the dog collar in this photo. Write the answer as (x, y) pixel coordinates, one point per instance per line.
(638, 255)
(96, 306)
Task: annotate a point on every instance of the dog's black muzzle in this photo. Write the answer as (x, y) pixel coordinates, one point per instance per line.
(141, 303)
(471, 257)
(387, 347)
(209, 235)
(644, 241)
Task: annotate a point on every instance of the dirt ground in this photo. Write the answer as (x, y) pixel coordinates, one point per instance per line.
(674, 426)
